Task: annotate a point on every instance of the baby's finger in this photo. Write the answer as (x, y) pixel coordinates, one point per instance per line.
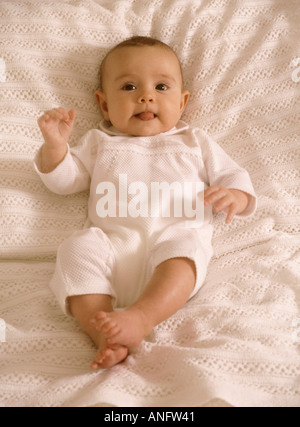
(62, 113)
(211, 190)
(72, 114)
(71, 117)
(222, 203)
(214, 197)
(232, 212)
(57, 114)
(42, 121)
(52, 115)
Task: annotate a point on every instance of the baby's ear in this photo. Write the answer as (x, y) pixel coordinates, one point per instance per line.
(101, 99)
(184, 100)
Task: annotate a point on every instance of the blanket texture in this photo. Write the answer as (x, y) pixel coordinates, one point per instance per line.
(238, 341)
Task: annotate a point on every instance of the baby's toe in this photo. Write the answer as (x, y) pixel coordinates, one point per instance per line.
(99, 320)
(112, 336)
(101, 315)
(99, 359)
(111, 328)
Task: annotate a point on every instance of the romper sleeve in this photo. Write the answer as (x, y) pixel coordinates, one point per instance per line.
(224, 171)
(73, 174)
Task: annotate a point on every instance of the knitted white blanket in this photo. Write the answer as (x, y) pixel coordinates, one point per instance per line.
(237, 342)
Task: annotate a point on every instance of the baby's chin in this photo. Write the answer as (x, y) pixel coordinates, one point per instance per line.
(147, 128)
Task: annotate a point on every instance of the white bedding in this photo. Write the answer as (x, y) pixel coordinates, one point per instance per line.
(237, 342)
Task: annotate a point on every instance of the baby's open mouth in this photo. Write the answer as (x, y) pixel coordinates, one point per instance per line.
(145, 116)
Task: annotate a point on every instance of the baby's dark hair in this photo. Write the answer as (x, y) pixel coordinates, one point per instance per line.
(136, 41)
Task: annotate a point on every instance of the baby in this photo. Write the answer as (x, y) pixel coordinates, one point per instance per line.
(133, 253)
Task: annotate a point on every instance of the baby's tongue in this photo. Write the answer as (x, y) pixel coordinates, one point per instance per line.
(146, 116)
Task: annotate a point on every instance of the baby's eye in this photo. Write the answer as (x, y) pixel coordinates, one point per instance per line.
(161, 87)
(129, 87)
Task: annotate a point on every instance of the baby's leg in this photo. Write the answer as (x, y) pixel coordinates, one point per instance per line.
(168, 290)
(86, 261)
(84, 308)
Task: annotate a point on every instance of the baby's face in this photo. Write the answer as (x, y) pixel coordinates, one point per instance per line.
(142, 90)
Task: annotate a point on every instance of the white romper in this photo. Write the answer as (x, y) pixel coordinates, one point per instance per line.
(128, 232)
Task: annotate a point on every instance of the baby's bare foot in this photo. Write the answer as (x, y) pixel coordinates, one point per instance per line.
(126, 328)
(110, 357)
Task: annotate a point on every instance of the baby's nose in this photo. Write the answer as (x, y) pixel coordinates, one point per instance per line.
(145, 98)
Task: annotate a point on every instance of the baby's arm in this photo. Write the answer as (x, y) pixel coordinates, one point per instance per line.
(56, 126)
(233, 202)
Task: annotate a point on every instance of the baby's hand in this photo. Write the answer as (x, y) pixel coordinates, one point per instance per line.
(56, 126)
(231, 201)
